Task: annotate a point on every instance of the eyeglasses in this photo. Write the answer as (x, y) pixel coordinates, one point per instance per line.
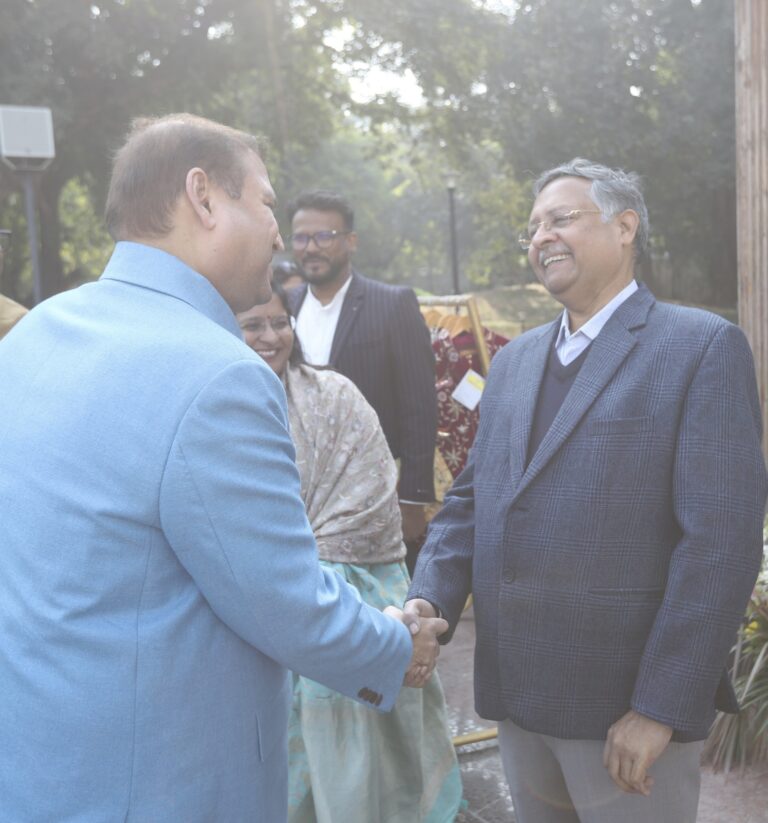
(322, 239)
(279, 324)
(555, 221)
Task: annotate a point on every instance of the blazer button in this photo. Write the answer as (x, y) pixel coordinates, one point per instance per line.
(509, 576)
(370, 696)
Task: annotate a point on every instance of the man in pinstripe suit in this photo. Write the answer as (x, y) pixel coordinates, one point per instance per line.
(375, 335)
(609, 523)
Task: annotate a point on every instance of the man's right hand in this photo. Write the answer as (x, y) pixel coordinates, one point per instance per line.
(417, 608)
(418, 613)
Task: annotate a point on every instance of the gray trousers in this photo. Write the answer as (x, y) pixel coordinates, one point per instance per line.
(564, 781)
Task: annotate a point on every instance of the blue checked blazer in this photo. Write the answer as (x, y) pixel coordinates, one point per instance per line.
(382, 345)
(158, 575)
(612, 571)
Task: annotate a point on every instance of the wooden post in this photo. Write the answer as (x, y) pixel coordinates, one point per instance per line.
(752, 182)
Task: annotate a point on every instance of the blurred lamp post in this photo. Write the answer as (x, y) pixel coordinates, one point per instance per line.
(450, 184)
(27, 147)
(5, 242)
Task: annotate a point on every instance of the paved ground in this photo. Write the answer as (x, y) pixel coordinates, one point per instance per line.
(732, 799)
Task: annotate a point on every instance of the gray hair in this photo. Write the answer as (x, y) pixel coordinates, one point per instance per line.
(613, 191)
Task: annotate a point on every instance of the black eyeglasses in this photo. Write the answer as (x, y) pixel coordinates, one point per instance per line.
(322, 239)
(279, 324)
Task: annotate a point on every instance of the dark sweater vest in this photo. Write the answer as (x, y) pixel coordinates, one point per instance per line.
(555, 385)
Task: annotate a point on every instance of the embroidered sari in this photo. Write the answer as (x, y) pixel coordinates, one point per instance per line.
(346, 761)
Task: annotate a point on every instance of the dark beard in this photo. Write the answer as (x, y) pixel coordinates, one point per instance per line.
(333, 273)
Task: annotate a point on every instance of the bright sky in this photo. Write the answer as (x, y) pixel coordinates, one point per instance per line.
(375, 81)
(378, 81)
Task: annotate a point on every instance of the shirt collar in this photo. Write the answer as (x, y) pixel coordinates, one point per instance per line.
(152, 268)
(335, 301)
(595, 324)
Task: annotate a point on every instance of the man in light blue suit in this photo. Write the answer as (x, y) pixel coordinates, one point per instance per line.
(157, 572)
(609, 523)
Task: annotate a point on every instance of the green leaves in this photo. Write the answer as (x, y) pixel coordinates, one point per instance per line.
(643, 84)
(739, 740)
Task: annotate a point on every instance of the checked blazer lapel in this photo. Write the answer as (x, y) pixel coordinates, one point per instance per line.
(608, 351)
(350, 311)
(524, 393)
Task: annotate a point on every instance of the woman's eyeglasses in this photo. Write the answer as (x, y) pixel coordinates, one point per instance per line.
(258, 325)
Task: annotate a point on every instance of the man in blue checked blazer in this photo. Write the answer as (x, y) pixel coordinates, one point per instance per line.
(374, 334)
(608, 524)
(158, 575)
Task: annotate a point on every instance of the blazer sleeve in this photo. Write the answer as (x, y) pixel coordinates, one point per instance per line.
(230, 507)
(443, 573)
(416, 399)
(719, 489)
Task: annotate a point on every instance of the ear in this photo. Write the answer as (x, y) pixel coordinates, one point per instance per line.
(198, 191)
(628, 222)
(352, 242)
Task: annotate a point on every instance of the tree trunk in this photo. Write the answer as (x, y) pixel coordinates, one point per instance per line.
(752, 180)
(50, 235)
(276, 76)
(722, 265)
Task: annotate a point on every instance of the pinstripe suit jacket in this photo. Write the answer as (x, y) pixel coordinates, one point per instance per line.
(613, 570)
(382, 345)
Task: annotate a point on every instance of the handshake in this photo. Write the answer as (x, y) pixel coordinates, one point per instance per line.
(420, 618)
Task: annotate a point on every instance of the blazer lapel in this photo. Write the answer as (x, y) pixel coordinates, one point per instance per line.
(523, 396)
(350, 310)
(608, 351)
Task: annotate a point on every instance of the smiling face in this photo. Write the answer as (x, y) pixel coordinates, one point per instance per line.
(267, 330)
(587, 263)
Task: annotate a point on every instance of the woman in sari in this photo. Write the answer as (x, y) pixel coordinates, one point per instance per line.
(347, 762)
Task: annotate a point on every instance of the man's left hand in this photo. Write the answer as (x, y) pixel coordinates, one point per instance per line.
(414, 521)
(634, 742)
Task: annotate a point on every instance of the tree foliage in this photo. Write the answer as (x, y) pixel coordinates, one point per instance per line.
(642, 84)
(507, 89)
(99, 65)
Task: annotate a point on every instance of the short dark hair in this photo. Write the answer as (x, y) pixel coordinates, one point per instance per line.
(296, 357)
(150, 170)
(323, 200)
(284, 270)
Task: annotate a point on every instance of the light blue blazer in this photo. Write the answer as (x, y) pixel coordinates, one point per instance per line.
(157, 572)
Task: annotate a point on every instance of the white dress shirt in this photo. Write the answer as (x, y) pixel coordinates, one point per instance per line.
(316, 325)
(569, 345)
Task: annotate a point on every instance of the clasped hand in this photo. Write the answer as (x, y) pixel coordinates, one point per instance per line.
(425, 628)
